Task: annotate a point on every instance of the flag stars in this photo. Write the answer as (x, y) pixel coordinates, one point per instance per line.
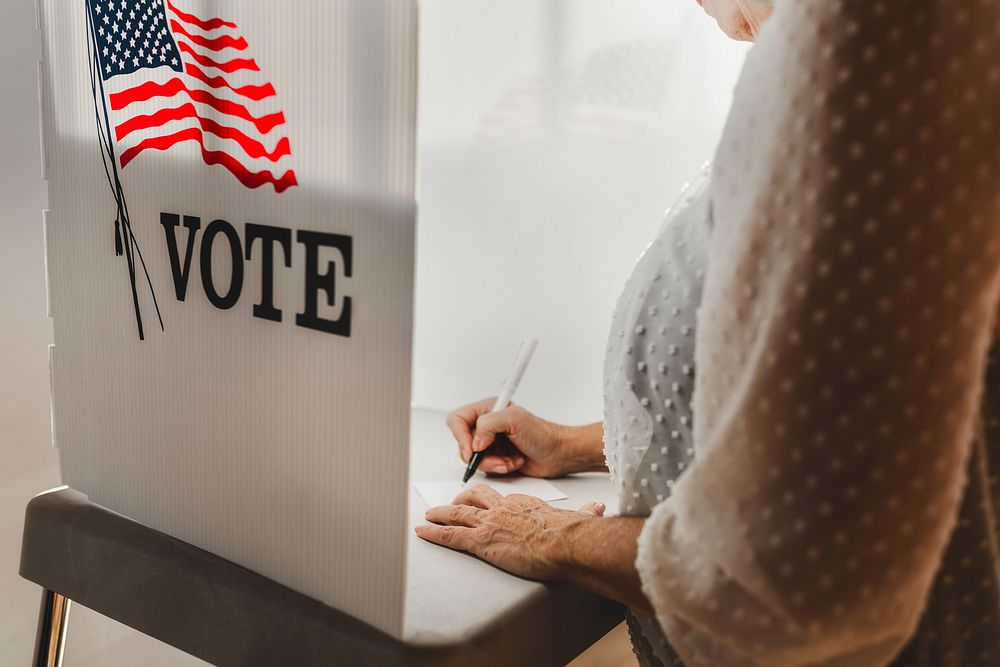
(137, 32)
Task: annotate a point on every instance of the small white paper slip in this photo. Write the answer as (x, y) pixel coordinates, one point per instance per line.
(442, 493)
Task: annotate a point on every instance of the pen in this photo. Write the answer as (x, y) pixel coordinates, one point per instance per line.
(510, 382)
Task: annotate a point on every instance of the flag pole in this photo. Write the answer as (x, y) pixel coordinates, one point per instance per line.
(130, 247)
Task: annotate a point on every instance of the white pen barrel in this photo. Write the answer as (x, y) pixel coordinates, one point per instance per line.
(503, 400)
(515, 373)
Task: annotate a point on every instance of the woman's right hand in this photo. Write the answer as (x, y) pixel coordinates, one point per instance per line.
(520, 442)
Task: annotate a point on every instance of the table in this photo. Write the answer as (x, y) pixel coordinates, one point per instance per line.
(458, 611)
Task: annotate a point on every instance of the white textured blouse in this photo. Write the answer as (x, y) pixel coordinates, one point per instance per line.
(839, 502)
(649, 377)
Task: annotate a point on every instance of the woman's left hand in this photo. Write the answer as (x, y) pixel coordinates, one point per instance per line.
(520, 534)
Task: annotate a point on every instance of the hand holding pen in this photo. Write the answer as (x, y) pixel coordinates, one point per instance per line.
(507, 389)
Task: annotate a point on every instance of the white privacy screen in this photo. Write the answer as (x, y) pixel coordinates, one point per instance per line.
(250, 164)
(552, 136)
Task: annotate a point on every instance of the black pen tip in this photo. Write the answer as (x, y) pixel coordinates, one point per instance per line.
(470, 469)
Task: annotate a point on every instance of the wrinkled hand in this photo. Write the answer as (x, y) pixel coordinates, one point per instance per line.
(520, 534)
(523, 442)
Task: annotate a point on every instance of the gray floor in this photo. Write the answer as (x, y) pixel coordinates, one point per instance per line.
(93, 640)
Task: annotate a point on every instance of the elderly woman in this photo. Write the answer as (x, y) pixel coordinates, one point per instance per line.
(826, 496)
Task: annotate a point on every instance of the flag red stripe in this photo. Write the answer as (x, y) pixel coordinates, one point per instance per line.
(211, 24)
(151, 89)
(228, 66)
(255, 93)
(211, 43)
(248, 178)
(251, 147)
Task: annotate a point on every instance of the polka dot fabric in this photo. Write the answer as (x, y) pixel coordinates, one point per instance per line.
(649, 377)
(841, 504)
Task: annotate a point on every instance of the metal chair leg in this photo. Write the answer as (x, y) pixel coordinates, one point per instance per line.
(52, 619)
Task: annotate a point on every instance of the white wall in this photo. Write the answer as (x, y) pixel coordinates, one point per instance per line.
(25, 331)
(27, 462)
(553, 135)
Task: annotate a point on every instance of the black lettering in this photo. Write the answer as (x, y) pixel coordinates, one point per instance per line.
(170, 222)
(269, 236)
(316, 281)
(232, 295)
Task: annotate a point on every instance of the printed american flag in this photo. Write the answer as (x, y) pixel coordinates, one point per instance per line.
(617, 94)
(170, 77)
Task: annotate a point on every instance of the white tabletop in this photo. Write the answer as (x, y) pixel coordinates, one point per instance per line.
(452, 596)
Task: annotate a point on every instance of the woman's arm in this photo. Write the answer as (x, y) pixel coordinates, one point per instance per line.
(599, 555)
(585, 448)
(842, 337)
(528, 537)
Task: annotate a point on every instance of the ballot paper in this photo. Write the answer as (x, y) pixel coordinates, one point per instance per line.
(442, 493)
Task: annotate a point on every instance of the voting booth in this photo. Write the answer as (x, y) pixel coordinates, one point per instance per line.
(230, 249)
(230, 256)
